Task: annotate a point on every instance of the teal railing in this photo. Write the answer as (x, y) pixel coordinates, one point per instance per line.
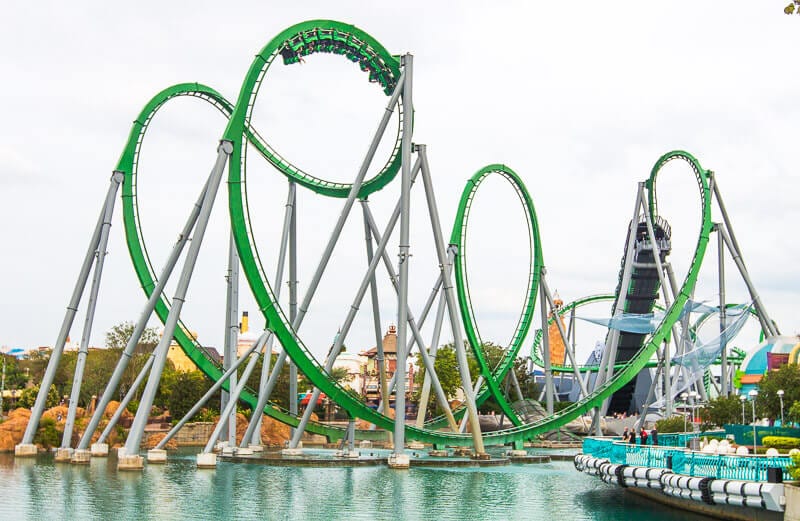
(685, 461)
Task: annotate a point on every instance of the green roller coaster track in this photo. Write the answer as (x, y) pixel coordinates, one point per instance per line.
(383, 68)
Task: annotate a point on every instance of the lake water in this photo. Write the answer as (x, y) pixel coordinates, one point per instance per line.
(43, 490)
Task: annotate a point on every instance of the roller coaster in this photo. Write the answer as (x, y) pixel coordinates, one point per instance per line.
(645, 283)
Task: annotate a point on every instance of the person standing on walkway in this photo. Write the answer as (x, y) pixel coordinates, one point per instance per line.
(644, 436)
(654, 436)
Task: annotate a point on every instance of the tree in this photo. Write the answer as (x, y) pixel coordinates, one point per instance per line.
(117, 337)
(28, 397)
(186, 390)
(786, 378)
(793, 7)
(720, 411)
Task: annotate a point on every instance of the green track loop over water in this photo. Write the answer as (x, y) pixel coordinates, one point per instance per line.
(303, 39)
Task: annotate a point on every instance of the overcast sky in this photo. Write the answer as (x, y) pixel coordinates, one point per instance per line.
(579, 98)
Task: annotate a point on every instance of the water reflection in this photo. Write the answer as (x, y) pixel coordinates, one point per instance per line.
(44, 490)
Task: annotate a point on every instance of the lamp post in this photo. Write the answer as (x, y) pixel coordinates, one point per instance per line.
(743, 399)
(753, 393)
(693, 396)
(684, 396)
(780, 397)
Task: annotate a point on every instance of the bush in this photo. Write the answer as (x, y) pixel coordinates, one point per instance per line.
(671, 424)
(781, 442)
(794, 467)
(47, 436)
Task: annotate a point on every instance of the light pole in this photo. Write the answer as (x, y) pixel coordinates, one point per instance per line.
(743, 399)
(693, 396)
(753, 393)
(684, 396)
(780, 397)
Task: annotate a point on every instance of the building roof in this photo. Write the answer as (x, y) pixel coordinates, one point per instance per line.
(389, 344)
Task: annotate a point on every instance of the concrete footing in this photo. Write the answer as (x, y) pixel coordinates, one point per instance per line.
(63, 454)
(256, 448)
(130, 462)
(99, 450)
(399, 461)
(415, 445)
(156, 456)
(25, 450)
(206, 460)
(292, 452)
(244, 451)
(365, 444)
(437, 453)
(462, 452)
(517, 453)
(480, 456)
(228, 451)
(81, 457)
(347, 454)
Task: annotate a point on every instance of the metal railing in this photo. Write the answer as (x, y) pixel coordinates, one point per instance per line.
(686, 462)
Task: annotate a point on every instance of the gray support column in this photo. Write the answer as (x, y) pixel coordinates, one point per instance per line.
(72, 308)
(452, 306)
(293, 304)
(138, 329)
(767, 324)
(252, 355)
(564, 336)
(288, 220)
(548, 373)
(66, 324)
(422, 410)
(415, 328)
(376, 316)
(83, 351)
(254, 349)
(403, 260)
(722, 312)
(607, 372)
(124, 403)
(140, 420)
(231, 339)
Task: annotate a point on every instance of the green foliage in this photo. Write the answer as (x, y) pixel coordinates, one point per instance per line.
(558, 406)
(185, 390)
(28, 397)
(671, 424)
(781, 442)
(786, 378)
(793, 414)
(792, 7)
(794, 467)
(206, 415)
(720, 411)
(117, 337)
(47, 435)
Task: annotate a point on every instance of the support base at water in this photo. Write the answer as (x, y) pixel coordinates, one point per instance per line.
(99, 450)
(256, 448)
(130, 462)
(480, 456)
(63, 454)
(462, 452)
(347, 454)
(81, 457)
(292, 452)
(206, 460)
(244, 451)
(517, 453)
(156, 456)
(415, 445)
(437, 453)
(25, 450)
(399, 461)
(365, 444)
